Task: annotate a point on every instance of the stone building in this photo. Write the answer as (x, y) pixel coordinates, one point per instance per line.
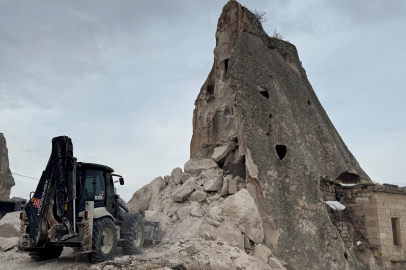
(374, 219)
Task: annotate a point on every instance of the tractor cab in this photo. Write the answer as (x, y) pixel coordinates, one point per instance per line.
(94, 182)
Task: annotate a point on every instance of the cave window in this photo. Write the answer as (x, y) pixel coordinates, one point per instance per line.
(281, 151)
(270, 115)
(264, 93)
(395, 231)
(348, 178)
(210, 90)
(226, 65)
(309, 102)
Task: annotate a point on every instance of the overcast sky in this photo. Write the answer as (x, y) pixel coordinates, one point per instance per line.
(121, 77)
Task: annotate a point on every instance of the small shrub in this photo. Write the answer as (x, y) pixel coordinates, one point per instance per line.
(276, 34)
(260, 15)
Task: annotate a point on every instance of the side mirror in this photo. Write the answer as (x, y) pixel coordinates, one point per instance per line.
(121, 180)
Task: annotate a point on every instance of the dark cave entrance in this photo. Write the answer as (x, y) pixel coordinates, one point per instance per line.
(281, 151)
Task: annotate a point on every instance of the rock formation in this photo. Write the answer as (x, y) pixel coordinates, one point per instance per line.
(6, 178)
(258, 117)
(264, 158)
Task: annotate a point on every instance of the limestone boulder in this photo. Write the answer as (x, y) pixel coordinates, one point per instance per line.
(221, 152)
(262, 252)
(10, 225)
(196, 212)
(140, 200)
(275, 264)
(187, 229)
(176, 175)
(185, 176)
(184, 212)
(226, 231)
(160, 217)
(8, 243)
(196, 166)
(213, 179)
(156, 186)
(6, 178)
(185, 190)
(232, 186)
(224, 189)
(198, 196)
(241, 209)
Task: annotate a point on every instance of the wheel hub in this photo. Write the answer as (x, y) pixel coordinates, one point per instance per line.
(106, 240)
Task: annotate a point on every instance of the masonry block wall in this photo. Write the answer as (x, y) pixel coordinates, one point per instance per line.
(379, 212)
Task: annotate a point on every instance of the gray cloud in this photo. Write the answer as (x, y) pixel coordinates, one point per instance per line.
(121, 78)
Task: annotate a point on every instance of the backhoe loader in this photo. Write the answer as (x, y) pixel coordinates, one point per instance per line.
(76, 205)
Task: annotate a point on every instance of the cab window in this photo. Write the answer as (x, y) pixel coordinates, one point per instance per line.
(94, 188)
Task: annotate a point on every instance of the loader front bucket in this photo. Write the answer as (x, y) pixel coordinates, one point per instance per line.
(152, 233)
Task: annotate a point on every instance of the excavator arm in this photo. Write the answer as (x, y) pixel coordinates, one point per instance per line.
(55, 191)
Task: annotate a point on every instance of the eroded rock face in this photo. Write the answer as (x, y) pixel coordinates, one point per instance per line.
(258, 99)
(6, 178)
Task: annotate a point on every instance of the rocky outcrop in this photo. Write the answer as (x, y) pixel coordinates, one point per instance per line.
(6, 178)
(258, 118)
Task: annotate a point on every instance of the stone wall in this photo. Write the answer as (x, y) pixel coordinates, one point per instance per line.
(372, 209)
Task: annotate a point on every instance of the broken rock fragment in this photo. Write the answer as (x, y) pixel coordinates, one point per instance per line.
(213, 179)
(221, 152)
(156, 186)
(262, 252)
(140, 199)
(232, 186)
(176, 175)
(196, 166)
(185, 190)
(185, 176)
(198, 196)
(241, 209)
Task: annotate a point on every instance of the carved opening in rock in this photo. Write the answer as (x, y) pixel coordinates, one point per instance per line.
(346, 255)
(309, 102)
(281, 151)
(237, 169)
(395, 231)
(270, 115)
(226, 65)
(210, 90)
(348, 178)
(264, 93)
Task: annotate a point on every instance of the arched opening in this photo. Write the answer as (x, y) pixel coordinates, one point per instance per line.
(348, 178)
(309, 102)
(281, 151)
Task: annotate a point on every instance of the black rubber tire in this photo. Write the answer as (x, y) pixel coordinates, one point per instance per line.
(134, 241)
(47, 253)
(97, 255)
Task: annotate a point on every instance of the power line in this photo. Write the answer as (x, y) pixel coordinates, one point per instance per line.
(25, 176)
(22, 196)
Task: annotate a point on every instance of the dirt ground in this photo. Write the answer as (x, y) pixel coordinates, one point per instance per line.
(16, 260)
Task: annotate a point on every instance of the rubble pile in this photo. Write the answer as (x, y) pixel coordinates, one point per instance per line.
(209, 215)
(9, 230)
